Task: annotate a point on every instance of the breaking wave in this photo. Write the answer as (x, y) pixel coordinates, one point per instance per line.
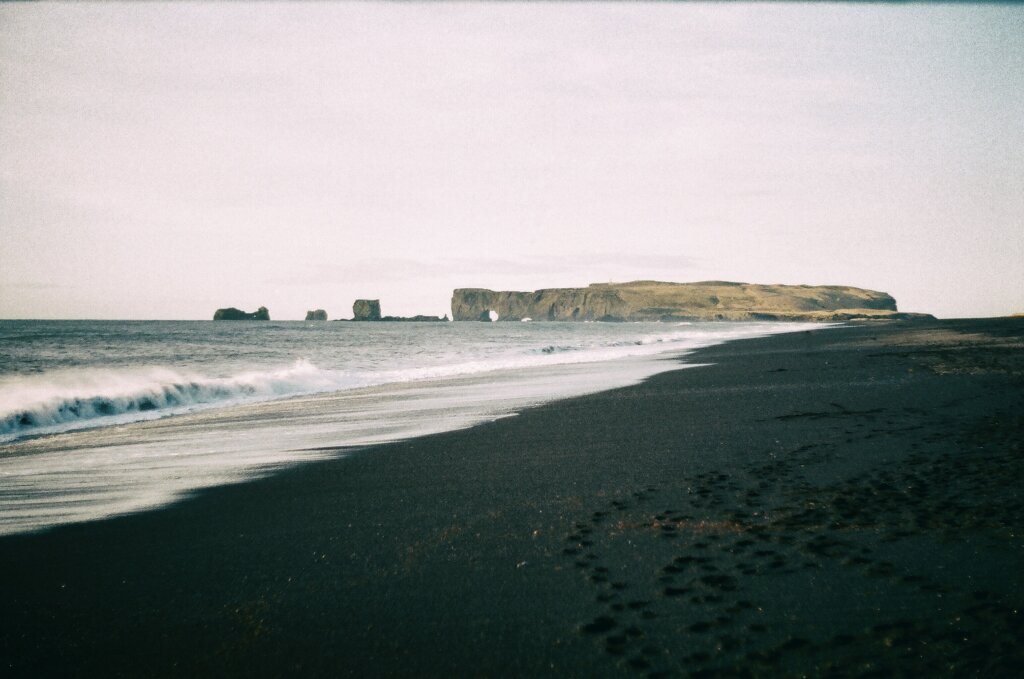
(69, 399)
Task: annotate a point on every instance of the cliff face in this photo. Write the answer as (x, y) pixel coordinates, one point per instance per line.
(656, 301)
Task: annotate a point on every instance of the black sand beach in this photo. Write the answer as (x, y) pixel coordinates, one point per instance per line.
(844, 502)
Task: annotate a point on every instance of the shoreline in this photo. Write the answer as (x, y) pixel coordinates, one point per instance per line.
(813, 501)
(116, 468)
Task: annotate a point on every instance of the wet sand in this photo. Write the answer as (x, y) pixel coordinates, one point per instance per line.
(843, 502)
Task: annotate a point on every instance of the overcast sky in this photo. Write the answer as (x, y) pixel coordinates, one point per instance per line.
(162, 160)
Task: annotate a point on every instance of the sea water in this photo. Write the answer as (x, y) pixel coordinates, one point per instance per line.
(99, 418)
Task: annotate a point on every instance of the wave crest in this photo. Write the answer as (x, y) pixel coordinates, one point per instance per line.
(59, 401)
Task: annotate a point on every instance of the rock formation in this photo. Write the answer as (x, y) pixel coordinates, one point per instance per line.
(233, 314)
(657, 301)
(318, 315)
(369, 310)
(415, 319)
(366, 310)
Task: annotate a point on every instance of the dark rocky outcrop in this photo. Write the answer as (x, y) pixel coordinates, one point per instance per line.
(415, 319)
(366, 310)
(317, 315)
(369, 310)
(659, 301)
(233, 314)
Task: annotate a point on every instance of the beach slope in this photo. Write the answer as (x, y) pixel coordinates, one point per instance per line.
(844, 501)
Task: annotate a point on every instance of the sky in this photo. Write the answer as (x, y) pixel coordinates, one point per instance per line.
(162, 160)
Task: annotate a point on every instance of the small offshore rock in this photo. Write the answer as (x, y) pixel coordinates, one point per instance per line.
(233, 314)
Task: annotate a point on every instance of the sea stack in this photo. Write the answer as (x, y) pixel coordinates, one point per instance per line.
(366, 310)
(316, 315)
(233, 314)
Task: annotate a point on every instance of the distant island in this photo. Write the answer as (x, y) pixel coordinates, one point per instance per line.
(233, 314)
(660, 301)
(316, 315)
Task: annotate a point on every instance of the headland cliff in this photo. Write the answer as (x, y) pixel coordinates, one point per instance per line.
(659, 301)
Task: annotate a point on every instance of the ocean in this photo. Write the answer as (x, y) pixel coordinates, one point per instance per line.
(101, 418)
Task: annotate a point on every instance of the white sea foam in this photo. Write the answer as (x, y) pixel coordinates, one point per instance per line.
(66, 399)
